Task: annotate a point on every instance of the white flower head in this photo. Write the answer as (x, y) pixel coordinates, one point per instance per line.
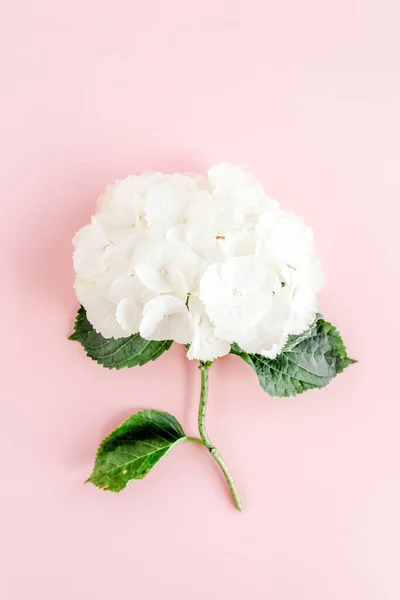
(203, 261)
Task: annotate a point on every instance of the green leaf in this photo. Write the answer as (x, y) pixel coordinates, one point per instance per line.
(309, 360)
(115, 353)
(132, 449)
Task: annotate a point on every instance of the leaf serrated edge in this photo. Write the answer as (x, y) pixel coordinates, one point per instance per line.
(292, 343)
(346, 357)
(76, 336)
(146, 413)
(80, 315)
(122, 365)
(107, 489)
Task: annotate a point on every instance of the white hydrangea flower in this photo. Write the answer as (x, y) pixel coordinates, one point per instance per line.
(204, 261)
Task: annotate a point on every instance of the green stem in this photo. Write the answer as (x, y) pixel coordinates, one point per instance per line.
(194, 439)
(206, 440)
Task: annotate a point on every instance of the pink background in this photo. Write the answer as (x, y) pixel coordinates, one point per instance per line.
(304, 94)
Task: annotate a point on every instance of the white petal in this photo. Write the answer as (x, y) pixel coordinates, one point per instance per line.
(166, 268)
(237, 294)
(129, 315)
(93, 250)
(290, 239)
(205, 345)
(88, 289)
(118, 223)
(304, 307)
(202, 237)
(100, 311)
(240, 199)
(123, 287)
(241, 243)
(177, 282)
(201, 210)
(226, 176)
(269, 336)
(186, 260)
(214, 290)
(165, 207)
(105, 200)
(248, 274)
(276, 348)
(177, 234)
(124, 202)
(154, 278)
(166, 318)
(101, 314)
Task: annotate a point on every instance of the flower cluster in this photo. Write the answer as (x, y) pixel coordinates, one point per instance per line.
(202, 260)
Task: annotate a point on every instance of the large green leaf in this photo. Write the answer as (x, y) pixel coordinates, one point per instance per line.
(132, 449)
(113, 353)
(309, 360)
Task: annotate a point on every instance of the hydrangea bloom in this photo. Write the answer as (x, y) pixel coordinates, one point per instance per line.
(205, 261)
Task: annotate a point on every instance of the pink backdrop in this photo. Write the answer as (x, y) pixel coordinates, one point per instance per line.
(304, 94)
